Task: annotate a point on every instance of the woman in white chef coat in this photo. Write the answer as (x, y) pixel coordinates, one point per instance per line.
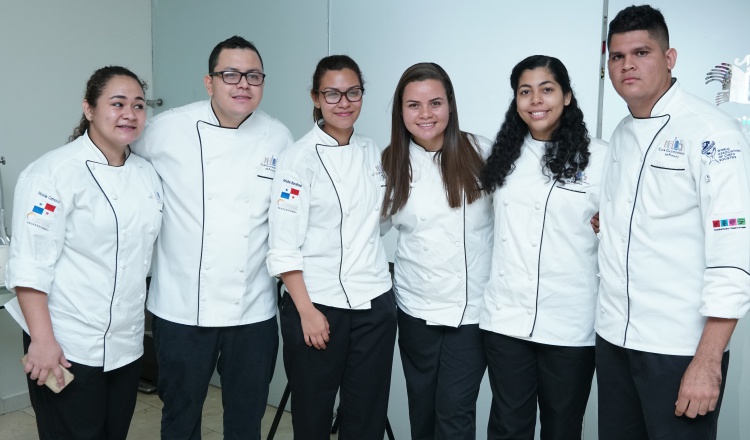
(85, 219)
(443, 254)
(338, 318)
(544, 174)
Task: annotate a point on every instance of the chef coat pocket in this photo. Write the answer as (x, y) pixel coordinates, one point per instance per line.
(266, 171)
(667, 166)
(668, 189)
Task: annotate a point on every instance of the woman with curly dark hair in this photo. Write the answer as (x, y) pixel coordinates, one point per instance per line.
(538, 313)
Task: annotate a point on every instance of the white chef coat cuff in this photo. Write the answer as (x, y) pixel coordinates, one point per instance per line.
(280, 261)
(25, 272)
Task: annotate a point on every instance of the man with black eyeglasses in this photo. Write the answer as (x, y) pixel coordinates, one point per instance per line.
(213, 301)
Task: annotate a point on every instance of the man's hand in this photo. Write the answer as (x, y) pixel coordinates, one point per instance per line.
(699, 388)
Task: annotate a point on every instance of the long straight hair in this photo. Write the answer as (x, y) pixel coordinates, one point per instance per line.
(459, 159)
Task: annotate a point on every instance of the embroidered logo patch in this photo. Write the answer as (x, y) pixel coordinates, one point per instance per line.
(42, 213)
(728, 223)
(673, 148)
(289, 198)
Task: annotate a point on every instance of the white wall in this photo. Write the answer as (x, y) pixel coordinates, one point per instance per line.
(48, 51)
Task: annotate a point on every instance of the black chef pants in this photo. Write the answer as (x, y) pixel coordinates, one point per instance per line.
(96, 405)
(523, 373)
(637, 395)
(443, 367)
(357, 361)
(244, 356)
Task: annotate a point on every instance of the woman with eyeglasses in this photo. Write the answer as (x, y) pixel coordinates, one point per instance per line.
(338, 317)
(544, 176)
(444, 222)
(85, 219)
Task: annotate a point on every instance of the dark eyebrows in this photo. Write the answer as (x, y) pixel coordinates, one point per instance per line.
(140, 98)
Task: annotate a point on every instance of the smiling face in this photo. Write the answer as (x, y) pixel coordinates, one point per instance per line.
(426, 111)
(640, 70)
(540, 102)
(117, 118)
(338, 118)
(233, 103)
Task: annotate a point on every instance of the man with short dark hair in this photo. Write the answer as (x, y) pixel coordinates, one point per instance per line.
(213, 301)
(674, 255)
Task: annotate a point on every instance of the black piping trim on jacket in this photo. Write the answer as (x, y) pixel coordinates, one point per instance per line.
(571, 190)
(203, 218)
(630, 224)
(341, 223)
(670, 169)
(466, 267)
(539, 260)
(729, 267)
(117, 253)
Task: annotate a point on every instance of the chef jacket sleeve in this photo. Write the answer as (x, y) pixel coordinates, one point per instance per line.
(288, 216)
(38, 231)
(724, 198)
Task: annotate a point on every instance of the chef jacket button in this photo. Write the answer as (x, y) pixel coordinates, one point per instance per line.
(203, 297)
(208, 232)
(459, 304)
(429, 276)
(245, 235)
(423, 218)
(371, 241)
(505, 202)
(376, 208)
(210, 196)
(504, 238)
(109, 335)
(150, 196)
(134, 328)
(145, 262)
(347, 245)
(150, 230)
(460, 275)
(122, 266)
(624, 240)
(343, 279)
(498, 306)
(338, 179)
(457, 243)
(425, 249)
(114, 196)
(531, 277)
(206, 267)
(429, 301)
(117, 303)
(538, 206)
(530, 311)
(347, 213)
(534, 244)
(93, 167)
(124, 232)
(630, 200)
(501, 273)
(140, 165)
(140, 296)
(242, 270)
(236, 301)
(247, 200)
(457, 211)
(208, 162)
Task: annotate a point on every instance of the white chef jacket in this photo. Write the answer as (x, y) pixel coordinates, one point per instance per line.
(675, 247)
(83, 233)
(443, 254)
(209, 265)
(325, 219)
(543, 282)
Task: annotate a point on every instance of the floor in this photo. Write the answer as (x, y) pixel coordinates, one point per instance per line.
(20, 425)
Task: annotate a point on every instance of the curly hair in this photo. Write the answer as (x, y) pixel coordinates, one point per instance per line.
(566, 153)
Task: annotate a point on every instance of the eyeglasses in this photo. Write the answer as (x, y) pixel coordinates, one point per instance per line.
(333, 96)
(234, 77)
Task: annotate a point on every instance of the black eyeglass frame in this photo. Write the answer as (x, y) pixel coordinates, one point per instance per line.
(342, 94)
(242, 74)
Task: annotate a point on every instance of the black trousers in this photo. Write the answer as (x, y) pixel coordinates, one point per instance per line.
(357, 361)
(443, 367)
(637, 395)
(95, 406)
(244, 356)
(523, 373)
